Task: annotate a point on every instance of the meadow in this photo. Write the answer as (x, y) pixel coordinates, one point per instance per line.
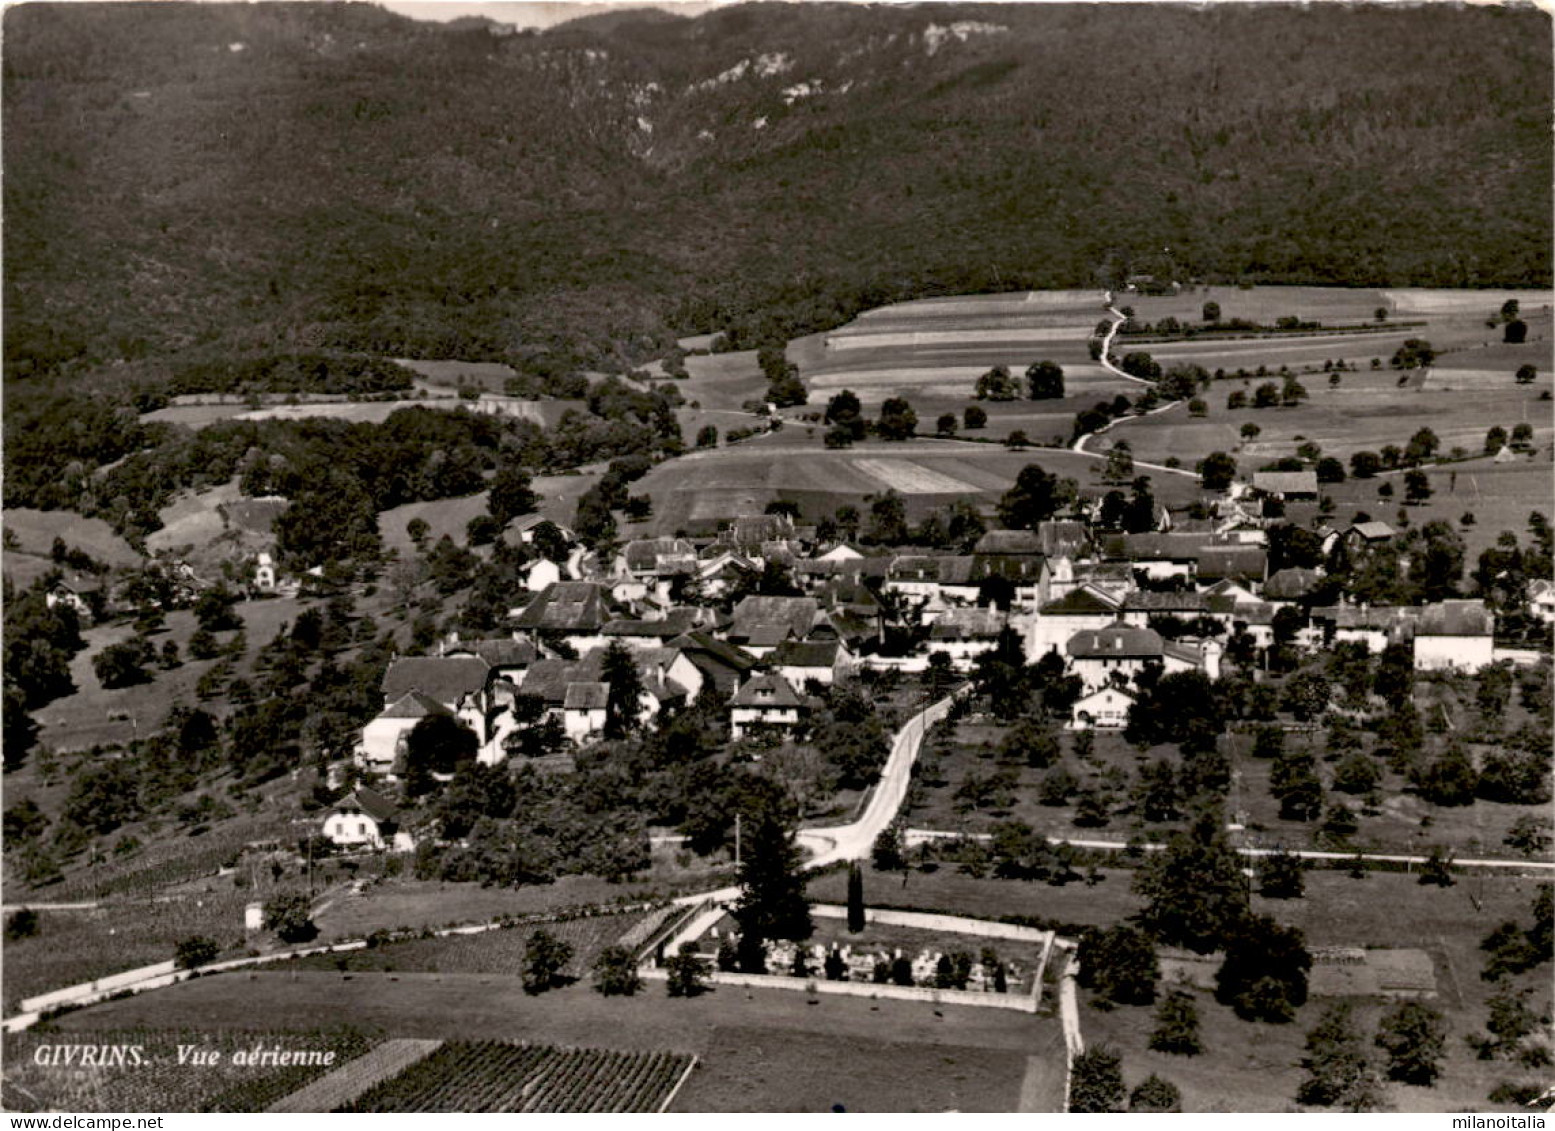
(694, 492)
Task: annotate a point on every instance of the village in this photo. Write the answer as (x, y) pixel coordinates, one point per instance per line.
(1118, 610)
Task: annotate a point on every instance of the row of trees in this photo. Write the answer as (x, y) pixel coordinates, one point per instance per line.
(1044, 381)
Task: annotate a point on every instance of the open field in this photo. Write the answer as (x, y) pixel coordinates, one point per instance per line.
(196, 520)
(1255, 1067)
(36, 530)
(760, 1050)
(722, 380)
(95, 714)
(1500, 496)
(695, 491)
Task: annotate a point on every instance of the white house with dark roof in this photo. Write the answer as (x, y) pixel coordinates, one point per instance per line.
(965, 634)
(583, 710)
(1057, 621)
(576, 611)
(1103, 709)
(363, 818)
(766, 702)
(1455, 636)
(1117, 654)
(800, 661)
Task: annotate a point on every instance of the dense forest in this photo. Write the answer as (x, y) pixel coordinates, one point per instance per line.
(199, 179)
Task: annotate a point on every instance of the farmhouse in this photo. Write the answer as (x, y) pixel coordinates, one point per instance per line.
(765, 622)
(1157, 556)
(721, 664)
(965, 634)
(1455, 635)
(1375, 626)
(1234, 562)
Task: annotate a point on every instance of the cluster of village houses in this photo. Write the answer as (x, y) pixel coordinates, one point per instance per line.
(1072, 592)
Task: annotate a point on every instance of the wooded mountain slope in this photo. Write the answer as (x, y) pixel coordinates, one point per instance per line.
(189, 179)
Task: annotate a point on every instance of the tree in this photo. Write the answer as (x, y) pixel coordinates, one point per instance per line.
(897, 420)
(1033, 499)
(886, 855)
(1339, 1073)
(1527, 374)
(1364, 465)
(1120, 463)
(436, 745)
(124, 664)
(545, 957)
(1267, 395)
(687, 975)
(1177, 1025)
(856, 917)
(1510, 309)
(1417, 486)
(1155, 1094)
(945, 425)
(22, 923)
(417, 530)
(1211, 312)
(1096, 1081)
(707, 436)
(1045, 381)
(623, 705)
(1194, 891)
(510, 494)
(1119, 964)
(1527, 836)
(1280, 876)
(1217, 471)
(1142, 365)
(1415, 1038)
(1415, 353)
(290, 915)
(615, 972)
(1516, 332)
(997, 385)
(772, 903)
(1522, 436)
(973, 418)
(196, 950)
(1264, 974)
(1495, 439)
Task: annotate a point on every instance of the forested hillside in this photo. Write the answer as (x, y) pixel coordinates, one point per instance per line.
(193, 181)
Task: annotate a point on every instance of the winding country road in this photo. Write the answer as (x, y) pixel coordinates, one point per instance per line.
(834, 843)
(1106, 361)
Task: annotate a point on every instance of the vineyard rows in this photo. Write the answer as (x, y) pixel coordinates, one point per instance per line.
(340, 1087)
(495, 1076)
(160, 1082)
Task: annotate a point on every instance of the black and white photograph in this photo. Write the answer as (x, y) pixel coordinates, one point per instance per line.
(777, 556)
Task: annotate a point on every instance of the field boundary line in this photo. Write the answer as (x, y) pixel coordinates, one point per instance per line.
(675, 1091)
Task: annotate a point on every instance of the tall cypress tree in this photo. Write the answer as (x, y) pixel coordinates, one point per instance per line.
(855, 899)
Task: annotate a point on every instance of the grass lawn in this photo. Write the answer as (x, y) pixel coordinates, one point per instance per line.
(36, 530)
(761, 1050)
